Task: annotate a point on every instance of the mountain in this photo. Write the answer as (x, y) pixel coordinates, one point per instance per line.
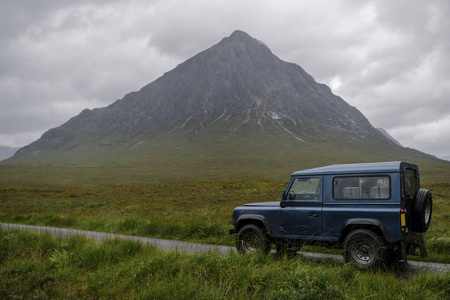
(234, 109)
(386, 134)
(7, 152)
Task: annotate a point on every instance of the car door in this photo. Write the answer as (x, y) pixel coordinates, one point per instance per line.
(302, 207)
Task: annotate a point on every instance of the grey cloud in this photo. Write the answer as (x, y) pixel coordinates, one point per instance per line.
(389, 59)
(71, 60)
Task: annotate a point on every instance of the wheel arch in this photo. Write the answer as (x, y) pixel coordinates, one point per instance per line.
(255, 219)
(373, 225)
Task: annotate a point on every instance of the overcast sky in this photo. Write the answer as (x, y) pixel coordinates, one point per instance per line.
(389, 59)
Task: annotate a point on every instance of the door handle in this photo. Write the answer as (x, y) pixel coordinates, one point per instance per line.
(313, 215)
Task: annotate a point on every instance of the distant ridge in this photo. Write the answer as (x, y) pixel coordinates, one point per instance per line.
(386, 134)
(7, 152)
(235, 105)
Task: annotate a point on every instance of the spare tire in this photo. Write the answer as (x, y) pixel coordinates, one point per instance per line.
(421, 210)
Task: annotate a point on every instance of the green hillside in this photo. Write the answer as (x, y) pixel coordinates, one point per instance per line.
(213, 156)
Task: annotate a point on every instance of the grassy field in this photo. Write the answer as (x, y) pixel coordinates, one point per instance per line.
(41, 267)
(198, 211)
(216, 154)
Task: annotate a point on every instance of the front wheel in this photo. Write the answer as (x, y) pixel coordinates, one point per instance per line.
(364, 249)
(252, 239)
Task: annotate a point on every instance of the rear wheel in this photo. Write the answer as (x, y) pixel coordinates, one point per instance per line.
(252, 239)
(364, 249)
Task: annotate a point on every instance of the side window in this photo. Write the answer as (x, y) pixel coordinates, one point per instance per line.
(362, 187)
(305, 189)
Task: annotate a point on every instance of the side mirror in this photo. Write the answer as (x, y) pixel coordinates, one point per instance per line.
(283, 197)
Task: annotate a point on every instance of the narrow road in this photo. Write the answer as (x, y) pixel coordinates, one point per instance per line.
(187, 247)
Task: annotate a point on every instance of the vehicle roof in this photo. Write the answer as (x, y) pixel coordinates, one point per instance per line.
(380, 167)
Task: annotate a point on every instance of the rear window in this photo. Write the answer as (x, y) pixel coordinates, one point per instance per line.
(411, 183)
(362, 187)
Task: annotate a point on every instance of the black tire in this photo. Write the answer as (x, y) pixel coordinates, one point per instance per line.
(422, 210)
(364, 249)
(252, 239)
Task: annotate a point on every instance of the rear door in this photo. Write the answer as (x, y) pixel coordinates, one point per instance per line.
(409, 185)
(301, 211)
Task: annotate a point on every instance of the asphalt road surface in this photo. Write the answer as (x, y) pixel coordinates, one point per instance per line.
(187, 247)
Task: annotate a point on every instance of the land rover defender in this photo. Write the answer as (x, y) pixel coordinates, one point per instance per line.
(376, 212)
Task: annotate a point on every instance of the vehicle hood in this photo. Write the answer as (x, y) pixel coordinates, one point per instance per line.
(266, 204)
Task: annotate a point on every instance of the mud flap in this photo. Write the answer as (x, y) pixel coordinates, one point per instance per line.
(422, 249)
(404, 253)
(417, 243)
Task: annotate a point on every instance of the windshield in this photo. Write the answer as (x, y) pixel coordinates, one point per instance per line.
(304, 189)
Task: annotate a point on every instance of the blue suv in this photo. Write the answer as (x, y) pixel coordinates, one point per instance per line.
(376, 212)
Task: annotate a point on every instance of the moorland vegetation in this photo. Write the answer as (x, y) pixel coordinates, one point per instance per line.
(40, 266)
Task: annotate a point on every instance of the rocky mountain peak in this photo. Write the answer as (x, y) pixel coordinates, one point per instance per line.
(235, 86)
(241, 40)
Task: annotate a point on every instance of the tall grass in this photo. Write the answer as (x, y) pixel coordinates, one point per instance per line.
(198, 211)
(190, 211)
(41, 266)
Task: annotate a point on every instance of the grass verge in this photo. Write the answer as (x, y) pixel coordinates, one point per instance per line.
(198, 211)
(40, 266)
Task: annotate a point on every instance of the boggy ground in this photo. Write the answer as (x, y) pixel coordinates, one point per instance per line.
(197, 211)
